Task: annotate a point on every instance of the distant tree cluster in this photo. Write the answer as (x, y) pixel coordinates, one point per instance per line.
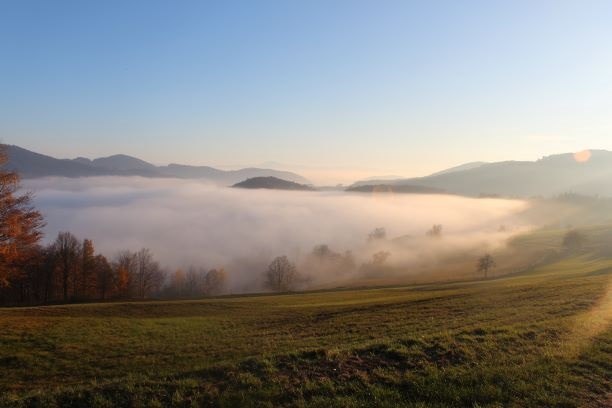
(325, 261)
(69, 270)
(196, 282)
(378, 234)
(435, 231)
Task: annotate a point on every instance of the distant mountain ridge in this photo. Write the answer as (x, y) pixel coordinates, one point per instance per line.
(588, 173)
(34, 165)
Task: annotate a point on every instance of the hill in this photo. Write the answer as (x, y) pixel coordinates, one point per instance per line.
(540, 338)
(33, 165)
(549, 176)
(272, 183)
(466, 166)
(389, 188)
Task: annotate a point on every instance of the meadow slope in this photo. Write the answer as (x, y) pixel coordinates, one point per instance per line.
(540, 338)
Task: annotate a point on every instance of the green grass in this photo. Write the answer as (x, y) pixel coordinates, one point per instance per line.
(541, 338)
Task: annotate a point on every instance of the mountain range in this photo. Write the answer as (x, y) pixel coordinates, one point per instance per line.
(588, 173)
(33, 165)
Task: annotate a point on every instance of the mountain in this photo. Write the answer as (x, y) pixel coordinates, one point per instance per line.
(122, 162)
(386, 177)
(33, 165)
(552, 175)
(466, 166)
(272, 183)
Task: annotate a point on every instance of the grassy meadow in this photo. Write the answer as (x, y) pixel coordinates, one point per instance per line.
(538, 337)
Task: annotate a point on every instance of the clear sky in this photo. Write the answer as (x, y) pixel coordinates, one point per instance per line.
(396, 87)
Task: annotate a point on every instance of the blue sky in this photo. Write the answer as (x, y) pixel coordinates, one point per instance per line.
(383, 86)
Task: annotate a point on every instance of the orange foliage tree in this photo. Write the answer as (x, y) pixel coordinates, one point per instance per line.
(20, 226)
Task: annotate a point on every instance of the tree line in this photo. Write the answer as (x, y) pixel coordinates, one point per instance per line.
(70, 270)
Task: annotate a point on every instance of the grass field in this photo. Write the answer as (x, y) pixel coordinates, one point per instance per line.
(538, 338)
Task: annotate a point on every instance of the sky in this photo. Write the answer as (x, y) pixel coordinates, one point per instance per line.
(369, 87)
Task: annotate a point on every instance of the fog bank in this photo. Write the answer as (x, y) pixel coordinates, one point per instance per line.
(187, 222)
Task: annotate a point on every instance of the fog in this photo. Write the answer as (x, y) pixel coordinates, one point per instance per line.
(186, 222)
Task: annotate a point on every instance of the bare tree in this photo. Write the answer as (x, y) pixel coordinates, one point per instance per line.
(67, 250)
(86, 284)
(195, 281)
(485, 264)
(435, 231)
(281, 274)
(215, 281)
(377, 234)
(104, 276)
(148, 274)
(380, 257)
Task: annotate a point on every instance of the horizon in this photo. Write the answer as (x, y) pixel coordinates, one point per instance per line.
(332, 175)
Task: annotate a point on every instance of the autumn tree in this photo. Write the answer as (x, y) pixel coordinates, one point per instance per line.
(281, 274)
(124, 271)
(20, 225)
(178, 282)
(485, 264)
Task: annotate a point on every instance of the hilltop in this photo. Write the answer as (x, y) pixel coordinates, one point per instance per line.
(271, 183)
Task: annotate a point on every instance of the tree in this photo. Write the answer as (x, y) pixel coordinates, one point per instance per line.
(149, 276)
(20, 225)
(281, 274)
(380, 257)
(104, 276)
(125, 270)
(322, 251)
(195, 281)
(573, 241)
(377, 234)
(435, 231)
(214, 282)
(178, 283)
(485, 263)
(85, 285)
(66, 249)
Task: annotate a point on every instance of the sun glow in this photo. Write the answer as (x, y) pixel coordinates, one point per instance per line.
(583, 156)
